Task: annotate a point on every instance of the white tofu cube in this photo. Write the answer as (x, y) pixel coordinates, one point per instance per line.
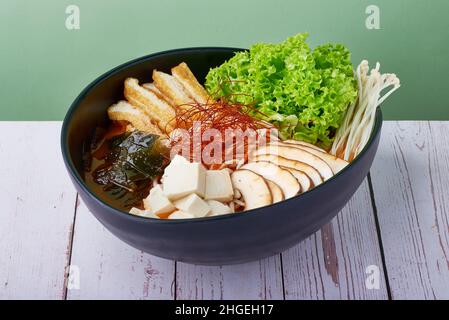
(193, 205)
(218, 186)
(182, 178)
(180, 215)
(157, 202)
(217, 208)
(143, 213)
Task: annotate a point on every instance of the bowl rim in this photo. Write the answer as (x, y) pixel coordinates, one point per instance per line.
(82, 184)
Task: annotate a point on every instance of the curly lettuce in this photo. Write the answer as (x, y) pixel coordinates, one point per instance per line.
(304, 92)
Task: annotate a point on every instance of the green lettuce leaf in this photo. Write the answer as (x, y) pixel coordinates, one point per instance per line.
(304, 92)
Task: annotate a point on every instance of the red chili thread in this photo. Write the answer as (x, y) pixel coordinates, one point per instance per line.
(220, 115)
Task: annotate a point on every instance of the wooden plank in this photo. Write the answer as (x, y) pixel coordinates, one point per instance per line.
(255, 280)
(36, 217)
(110, 269)
(411, 182)
(332, 264)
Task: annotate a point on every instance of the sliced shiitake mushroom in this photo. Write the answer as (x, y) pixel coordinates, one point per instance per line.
(276, 191)
(310, 171)
(290, 152)
(253, 188)
(302, 178)
(283, 178)
(335, 163)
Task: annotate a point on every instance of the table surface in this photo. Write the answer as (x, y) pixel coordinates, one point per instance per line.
(391, 241)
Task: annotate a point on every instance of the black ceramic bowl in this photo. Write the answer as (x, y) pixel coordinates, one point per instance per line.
(219, 240)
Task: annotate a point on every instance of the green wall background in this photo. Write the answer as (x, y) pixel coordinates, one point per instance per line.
(43, 66)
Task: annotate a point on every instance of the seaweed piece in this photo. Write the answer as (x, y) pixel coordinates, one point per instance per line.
(133, 158)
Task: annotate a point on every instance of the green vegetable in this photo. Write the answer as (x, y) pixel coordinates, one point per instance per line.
(304, 92)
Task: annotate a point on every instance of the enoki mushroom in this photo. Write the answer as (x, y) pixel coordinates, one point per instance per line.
(358, 123)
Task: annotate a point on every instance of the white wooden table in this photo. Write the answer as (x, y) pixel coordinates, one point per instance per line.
(397, 223)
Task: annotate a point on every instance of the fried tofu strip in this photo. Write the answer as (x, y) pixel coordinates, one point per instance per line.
(151, 104)
(152, 87)
(185, 76)
(172, 89)
(123, 111)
